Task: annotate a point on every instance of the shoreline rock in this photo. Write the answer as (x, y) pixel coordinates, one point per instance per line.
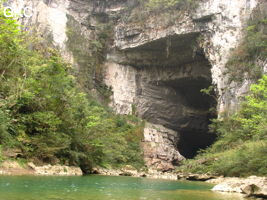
(9, 167)
(252, 186)
(13, 168)
(58, 170)
(126, 171)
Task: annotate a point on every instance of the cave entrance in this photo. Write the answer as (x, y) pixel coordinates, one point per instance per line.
(170, 74)
(195, 136)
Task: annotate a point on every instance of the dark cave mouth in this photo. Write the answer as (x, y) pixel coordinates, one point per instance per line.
(193, 120)
(190, 142)
(173, 70)
(196, 136)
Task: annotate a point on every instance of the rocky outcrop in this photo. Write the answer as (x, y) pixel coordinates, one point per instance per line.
(159, 149)
(251, 186)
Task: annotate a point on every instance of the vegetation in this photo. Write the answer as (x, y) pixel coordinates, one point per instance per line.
(1, 156)
(253, 47)
(241, 148)
(44, 112)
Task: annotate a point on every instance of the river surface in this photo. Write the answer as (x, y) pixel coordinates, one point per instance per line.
(104, 188)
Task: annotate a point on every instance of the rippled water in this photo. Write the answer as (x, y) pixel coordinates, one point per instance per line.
(104, 188)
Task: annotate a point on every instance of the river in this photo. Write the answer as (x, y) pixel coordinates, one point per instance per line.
(104, 188)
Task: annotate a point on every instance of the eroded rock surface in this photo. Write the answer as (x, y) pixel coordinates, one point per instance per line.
(159, 147)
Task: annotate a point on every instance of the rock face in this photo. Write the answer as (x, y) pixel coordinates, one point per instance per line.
(156, 66)
(159, 147)
(251, 186)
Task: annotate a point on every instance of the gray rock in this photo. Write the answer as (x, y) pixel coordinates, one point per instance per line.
(251, 186)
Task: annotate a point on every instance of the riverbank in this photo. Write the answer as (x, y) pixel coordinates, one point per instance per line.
(10, 167)
(252, 186)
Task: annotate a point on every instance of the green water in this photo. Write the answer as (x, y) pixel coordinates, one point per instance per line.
(103, 188)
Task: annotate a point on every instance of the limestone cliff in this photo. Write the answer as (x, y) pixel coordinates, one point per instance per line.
(155, 66)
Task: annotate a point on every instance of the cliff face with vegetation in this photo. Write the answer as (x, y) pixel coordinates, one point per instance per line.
(48, 115)
(152, 59)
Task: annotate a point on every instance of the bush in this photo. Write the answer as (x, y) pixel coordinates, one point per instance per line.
(248, 159)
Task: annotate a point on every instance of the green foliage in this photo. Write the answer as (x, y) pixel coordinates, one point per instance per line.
(44, 112)
(254, 45)
(1, 156)
(248, 159)
(241, 148)
(5, 128)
